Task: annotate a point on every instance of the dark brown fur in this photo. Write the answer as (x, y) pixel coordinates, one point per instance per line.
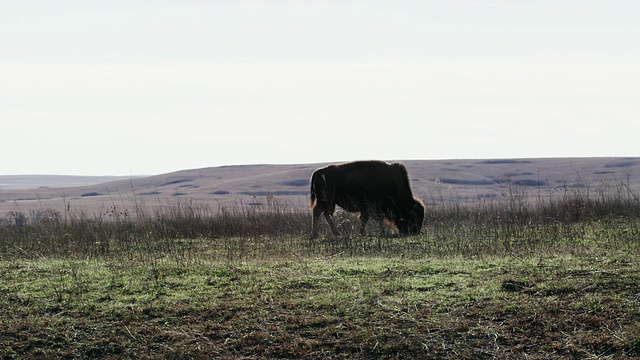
(372, 188)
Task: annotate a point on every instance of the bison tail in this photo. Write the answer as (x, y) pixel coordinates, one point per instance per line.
(314, 199)
(313, 202)
(317, 186)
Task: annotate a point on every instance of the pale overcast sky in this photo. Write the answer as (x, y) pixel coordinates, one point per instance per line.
(148, 87)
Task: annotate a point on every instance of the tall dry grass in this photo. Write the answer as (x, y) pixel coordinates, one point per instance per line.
(575, 221)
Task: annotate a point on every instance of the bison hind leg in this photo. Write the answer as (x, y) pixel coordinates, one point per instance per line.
(319, 209)
(329, 218)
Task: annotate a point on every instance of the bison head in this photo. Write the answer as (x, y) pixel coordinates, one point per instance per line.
(411, 221)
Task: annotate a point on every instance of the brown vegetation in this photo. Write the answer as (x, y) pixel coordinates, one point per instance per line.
(542, 273)
(487, 280)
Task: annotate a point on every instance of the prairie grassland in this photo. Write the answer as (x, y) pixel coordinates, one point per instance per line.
(555, 279)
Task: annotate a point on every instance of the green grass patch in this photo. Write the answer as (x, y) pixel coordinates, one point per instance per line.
(340, 307)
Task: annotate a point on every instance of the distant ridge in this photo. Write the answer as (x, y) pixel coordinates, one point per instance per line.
(435, 181)
(13, 182)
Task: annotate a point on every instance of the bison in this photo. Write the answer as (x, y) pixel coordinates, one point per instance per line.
(373, 188)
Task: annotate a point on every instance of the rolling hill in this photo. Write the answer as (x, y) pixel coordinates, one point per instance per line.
(251, 186)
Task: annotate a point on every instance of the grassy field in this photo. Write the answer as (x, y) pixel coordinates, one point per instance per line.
(556, 279)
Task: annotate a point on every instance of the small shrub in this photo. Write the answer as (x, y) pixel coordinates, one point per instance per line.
(296, 182)
(93, 193)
